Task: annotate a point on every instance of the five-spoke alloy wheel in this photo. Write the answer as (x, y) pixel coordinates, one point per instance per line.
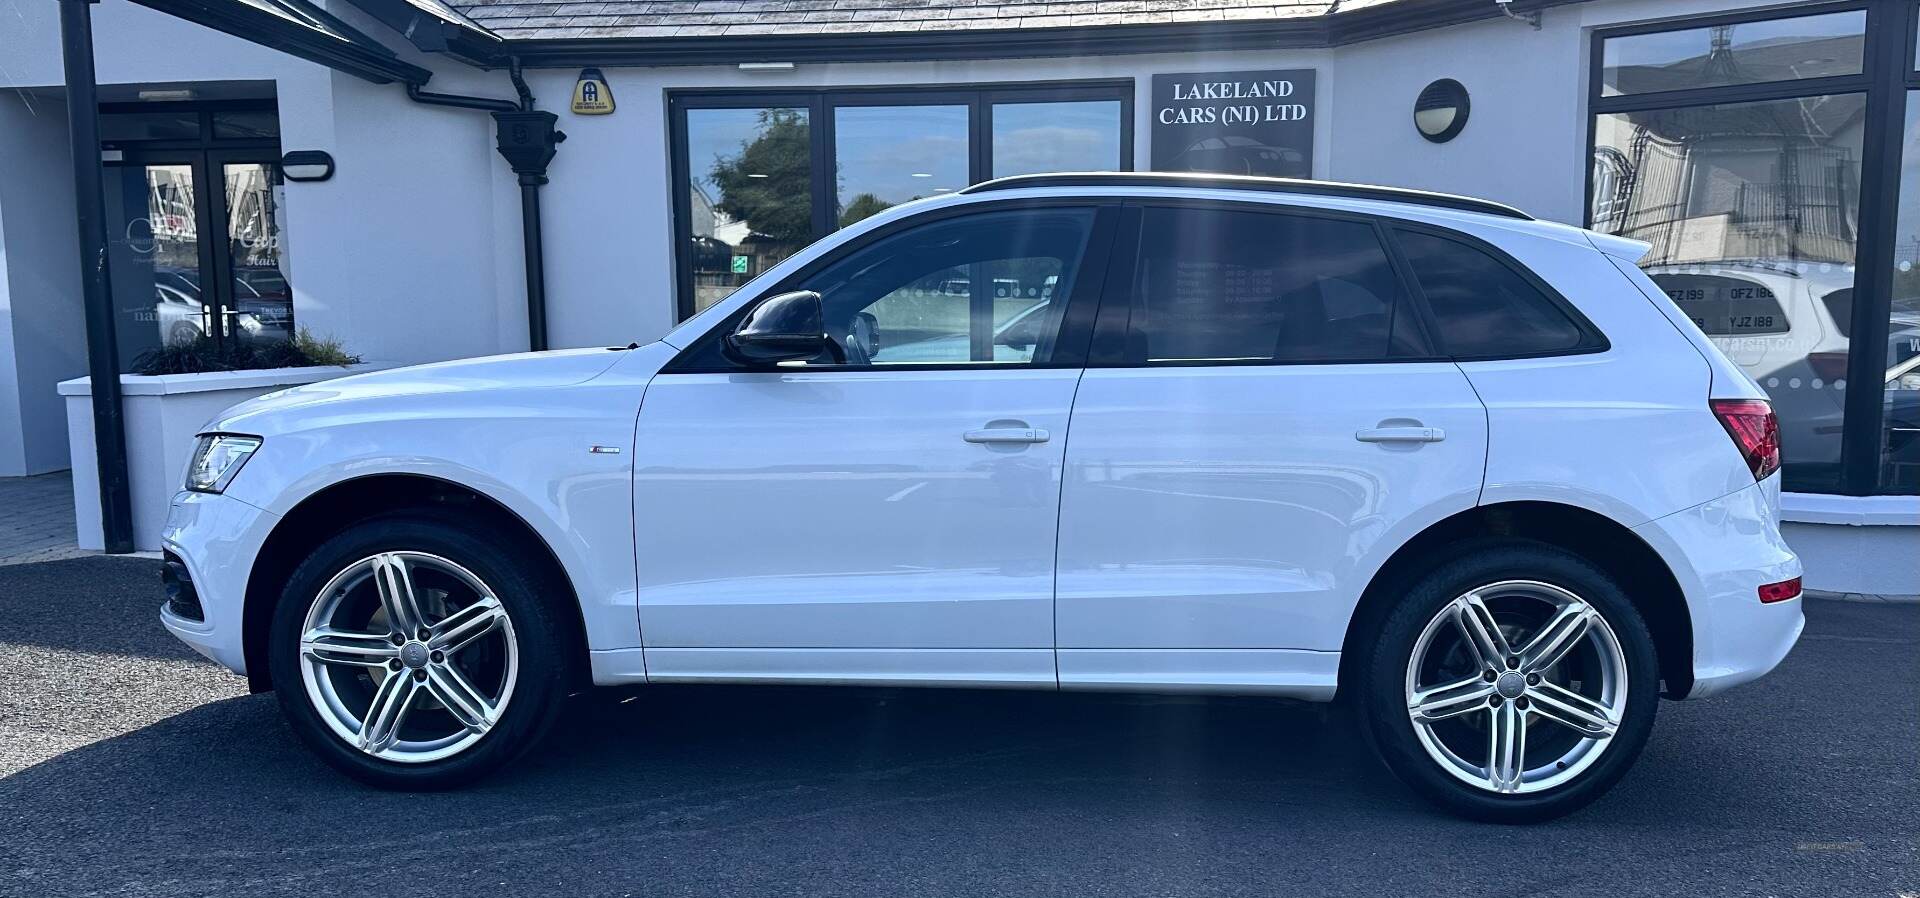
(1486, 689)
(409, 656)
(419, 650)
(1515, 682)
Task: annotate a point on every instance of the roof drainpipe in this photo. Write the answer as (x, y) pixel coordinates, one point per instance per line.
(526, 139)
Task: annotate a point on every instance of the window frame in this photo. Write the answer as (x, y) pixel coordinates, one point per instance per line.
(1889, 71)
(821, 102)
(1076, 320)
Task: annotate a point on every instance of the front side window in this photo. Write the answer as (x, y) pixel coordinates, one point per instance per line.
(1254, 286)
(983, 288)
(1481, 305)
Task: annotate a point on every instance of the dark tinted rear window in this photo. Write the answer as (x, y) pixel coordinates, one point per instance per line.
(1483, 306)
(1241, 285)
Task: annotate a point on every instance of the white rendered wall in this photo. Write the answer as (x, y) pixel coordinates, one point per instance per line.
(42, 332)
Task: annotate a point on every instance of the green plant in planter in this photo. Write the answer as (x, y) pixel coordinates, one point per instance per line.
(207, 354)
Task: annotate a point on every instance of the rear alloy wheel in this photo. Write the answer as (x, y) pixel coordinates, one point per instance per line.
(1521, 699)
(1515, 683)
(420, 651)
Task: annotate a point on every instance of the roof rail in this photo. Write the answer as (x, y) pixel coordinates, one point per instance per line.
(1295, 186)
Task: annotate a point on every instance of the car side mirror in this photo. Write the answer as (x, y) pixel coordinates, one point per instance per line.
(781, 328)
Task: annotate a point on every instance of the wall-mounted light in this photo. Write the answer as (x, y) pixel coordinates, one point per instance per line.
(766, 67)
(1440, 112)
(307, 165)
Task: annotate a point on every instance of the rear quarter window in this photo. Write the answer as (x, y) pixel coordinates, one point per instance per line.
(1484, 307)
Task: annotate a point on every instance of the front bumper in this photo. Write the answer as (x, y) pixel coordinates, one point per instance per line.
(216, 538)
(1721, 553)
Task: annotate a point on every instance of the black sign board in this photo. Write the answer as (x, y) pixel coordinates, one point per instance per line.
(1240, 123)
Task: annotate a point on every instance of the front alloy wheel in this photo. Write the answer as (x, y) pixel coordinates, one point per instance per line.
(423, 649)
(408, 656)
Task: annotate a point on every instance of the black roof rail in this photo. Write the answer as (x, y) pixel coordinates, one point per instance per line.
(1296, 186)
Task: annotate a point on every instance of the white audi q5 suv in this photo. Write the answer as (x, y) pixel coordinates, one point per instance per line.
(1470, 473)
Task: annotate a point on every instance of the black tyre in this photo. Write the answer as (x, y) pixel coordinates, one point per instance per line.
(418, 651)
(1515, 682)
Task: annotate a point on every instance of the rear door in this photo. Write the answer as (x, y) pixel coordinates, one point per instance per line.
(1263, 415)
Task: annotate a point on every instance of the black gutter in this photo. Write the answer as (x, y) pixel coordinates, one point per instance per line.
(485, 104)
(526, 139)
(1310, 32)
(103, 354)
(430, 32)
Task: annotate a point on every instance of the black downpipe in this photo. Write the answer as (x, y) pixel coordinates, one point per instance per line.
(535, 254)
(526, 139)
(103, 355)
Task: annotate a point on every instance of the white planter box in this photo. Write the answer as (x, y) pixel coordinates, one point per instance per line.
(161, 414)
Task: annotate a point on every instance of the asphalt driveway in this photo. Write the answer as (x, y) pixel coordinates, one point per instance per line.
(129, 767)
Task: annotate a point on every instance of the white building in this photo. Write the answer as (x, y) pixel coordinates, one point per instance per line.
(1771, 153)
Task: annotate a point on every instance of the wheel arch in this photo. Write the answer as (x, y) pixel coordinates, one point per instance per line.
(1617, 550)
(330, 510)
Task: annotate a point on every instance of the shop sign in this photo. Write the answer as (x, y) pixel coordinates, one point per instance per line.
(591, 96)
(1242, 123)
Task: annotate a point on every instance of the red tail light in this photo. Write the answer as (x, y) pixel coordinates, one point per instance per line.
(1781, 591)
(1755, 431)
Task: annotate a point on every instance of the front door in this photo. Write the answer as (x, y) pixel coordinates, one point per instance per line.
(1261, 413)
(884, 513)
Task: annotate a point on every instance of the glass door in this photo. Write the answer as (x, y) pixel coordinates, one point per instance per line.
(157, 256)
(195, 261)
(258, 300)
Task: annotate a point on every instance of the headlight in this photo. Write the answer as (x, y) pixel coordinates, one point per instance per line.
(216, 459)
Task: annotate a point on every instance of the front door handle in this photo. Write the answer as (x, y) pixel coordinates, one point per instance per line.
(1007, 435)
(1401, 435)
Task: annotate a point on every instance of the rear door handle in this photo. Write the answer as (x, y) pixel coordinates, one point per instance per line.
(1401, 435)
(1008, 435)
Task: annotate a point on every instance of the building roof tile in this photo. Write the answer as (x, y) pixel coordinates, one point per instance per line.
(524, 19)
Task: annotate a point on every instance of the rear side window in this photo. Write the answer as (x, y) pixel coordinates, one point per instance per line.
(1482, 306)
(1252, 286)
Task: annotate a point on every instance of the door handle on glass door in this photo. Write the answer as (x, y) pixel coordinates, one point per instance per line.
(1007, 435)
(1401, 435)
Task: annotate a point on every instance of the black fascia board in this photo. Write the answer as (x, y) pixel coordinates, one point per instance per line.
(345, 50)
